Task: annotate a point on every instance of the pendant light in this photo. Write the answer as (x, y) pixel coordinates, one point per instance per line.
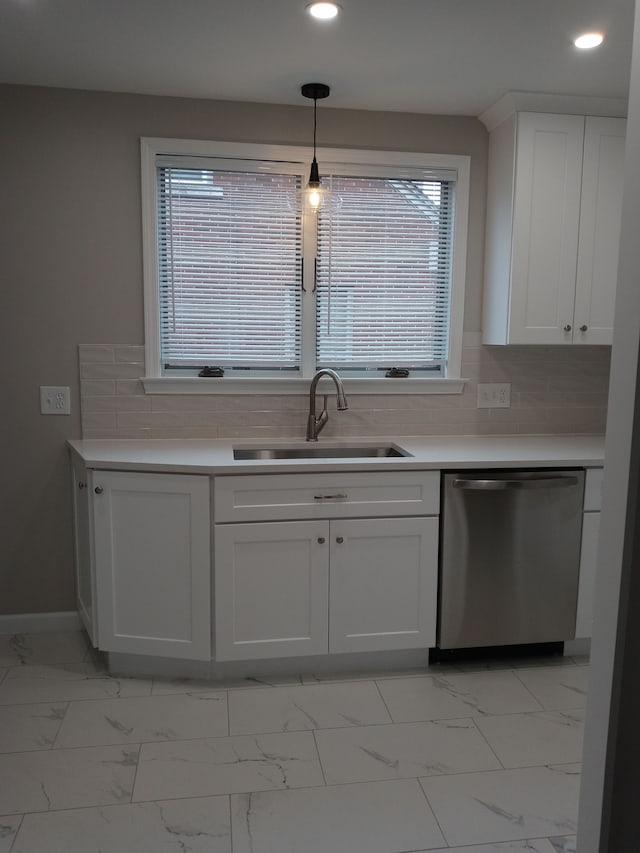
(314, 196)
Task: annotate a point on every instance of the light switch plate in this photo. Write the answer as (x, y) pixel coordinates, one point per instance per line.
(55, 400)
(494, 395)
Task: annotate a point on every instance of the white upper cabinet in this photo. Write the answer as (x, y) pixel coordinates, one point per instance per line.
(553, 222)
(600, 213)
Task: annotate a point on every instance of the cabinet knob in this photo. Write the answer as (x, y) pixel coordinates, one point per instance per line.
(82, 486)
(567, 328)
(339, 540)
(321, 540)
(98, 490)
(583, 328)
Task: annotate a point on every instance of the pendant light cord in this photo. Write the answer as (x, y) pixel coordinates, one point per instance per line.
(315, 122)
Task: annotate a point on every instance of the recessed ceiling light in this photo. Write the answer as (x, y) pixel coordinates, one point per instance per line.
(324, 10)
(588, 40)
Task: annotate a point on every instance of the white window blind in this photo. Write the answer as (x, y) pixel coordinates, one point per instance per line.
(229, 268)
(384, 274)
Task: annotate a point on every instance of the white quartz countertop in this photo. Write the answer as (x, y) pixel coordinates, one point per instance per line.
(208, 456)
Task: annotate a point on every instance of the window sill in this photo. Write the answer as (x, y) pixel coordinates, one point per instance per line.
(196, 385)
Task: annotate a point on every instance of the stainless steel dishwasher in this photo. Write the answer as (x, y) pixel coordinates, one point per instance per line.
(509, 557)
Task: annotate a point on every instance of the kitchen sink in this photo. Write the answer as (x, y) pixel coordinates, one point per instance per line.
(318, 452)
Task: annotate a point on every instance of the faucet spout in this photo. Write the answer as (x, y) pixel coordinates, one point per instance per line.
(315, 424)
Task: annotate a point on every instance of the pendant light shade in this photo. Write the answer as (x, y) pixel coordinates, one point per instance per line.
(315, 196)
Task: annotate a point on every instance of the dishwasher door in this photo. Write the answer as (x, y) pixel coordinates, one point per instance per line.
(509, 557)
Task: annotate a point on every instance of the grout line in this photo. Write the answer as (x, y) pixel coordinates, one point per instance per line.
(391, 717)
(20, 822)
(135, 775)
(432, 810)
(62, 719)
(324, 775)
(482, 735)
(229, 813)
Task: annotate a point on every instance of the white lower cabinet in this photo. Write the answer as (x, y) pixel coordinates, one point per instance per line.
(271, 589)
(83, 545)
(589, 553)
(151, 537)
(588, 566)
(315, 586)
(383, 584)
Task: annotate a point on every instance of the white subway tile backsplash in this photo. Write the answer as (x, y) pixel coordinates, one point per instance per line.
(102, 370)
(98, 388)
(116, 404)
(98, 420)
(92, 353)
(185, 432)
(117, 433)
(129, 353)
(553, 390)
(129, 386)
(129, 420)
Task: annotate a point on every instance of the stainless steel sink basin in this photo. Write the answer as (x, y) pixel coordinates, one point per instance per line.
(318, 452)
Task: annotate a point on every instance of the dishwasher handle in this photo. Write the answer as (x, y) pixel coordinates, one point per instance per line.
(519, 483)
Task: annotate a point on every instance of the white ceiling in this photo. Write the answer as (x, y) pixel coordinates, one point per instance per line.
(429, 56)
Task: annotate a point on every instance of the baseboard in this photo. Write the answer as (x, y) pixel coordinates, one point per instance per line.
(39, 623)
(578, 647)
(412, 661)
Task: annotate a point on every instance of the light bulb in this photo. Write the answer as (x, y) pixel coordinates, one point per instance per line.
(588, 40)
(323, 11)
(313, 197)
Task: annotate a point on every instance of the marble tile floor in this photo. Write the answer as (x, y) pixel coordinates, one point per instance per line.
(483, 758)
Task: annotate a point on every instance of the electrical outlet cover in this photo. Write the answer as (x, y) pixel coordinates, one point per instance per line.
(494, 395)
(55, 400)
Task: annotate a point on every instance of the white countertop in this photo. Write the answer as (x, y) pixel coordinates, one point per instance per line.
(209, 456)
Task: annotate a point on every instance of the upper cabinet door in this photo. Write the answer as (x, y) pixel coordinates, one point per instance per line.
(600, 214)
(546, 213)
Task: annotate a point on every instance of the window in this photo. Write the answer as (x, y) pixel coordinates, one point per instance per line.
(238, 280)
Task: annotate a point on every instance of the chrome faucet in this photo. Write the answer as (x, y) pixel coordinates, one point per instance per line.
(315, 424)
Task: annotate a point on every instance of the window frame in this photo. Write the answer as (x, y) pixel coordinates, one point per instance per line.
(333, 160)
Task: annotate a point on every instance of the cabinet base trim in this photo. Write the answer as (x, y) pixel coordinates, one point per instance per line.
(319, 666)
(579, 646)
(39, 623)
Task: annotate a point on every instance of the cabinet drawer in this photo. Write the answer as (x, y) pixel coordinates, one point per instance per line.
(264, 497)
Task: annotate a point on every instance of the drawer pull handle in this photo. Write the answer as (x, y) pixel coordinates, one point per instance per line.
(337, 497)
(339, 539)
(320, 540)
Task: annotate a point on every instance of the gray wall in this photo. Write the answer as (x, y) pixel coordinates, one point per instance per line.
(72, 271)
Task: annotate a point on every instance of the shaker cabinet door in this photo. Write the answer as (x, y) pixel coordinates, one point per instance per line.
(600, 216)
(546, 214)
(271, 589)
(384, 575)
(153, 566)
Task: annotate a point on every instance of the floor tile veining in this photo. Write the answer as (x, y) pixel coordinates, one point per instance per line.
(482, 758)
